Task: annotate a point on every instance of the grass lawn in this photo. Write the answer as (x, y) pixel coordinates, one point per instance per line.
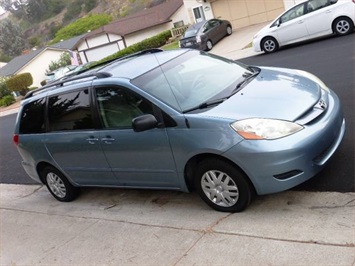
(170, 46)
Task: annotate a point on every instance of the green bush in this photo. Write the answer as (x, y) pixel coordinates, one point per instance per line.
(153, 42)
(7, 100)
(3, 88)
(20, 83)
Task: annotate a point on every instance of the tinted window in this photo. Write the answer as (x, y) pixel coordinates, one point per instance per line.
(70, 111)
(316, 4)
(32, 119)
(118, 106)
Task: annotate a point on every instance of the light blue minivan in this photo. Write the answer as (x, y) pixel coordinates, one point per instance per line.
(180, 120)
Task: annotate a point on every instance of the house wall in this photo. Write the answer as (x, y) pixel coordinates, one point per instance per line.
(38, 66)
(190, 5)
(100, 46)
(243, 13)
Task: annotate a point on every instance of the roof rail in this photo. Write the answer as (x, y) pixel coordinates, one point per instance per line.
(60, 83)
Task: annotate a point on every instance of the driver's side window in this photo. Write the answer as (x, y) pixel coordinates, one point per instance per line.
(118, 106)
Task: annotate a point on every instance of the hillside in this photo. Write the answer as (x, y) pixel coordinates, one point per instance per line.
(40, 20)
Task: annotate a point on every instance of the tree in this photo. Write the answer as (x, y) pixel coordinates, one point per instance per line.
(11, 42)
(64, 60)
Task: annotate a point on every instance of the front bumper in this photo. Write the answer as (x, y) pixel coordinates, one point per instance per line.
(277, 165)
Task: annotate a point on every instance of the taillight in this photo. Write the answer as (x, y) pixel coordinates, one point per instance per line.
(16, 139)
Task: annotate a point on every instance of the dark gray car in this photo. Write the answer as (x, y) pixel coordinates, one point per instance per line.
(205, 34)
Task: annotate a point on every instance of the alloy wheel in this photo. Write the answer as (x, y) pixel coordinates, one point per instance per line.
(342, 26)
(56, 185)
(220, 188)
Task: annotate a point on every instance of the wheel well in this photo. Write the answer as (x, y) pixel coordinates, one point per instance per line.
(333, 23)
(40, 168)
(191, 167)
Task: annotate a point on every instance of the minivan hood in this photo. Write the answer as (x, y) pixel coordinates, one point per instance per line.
(275, 93)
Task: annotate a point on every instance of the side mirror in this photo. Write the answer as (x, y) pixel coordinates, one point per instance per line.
(144, 122)
(278, 23)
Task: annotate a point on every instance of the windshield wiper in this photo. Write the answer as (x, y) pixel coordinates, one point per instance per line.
(206, 104)
(247, 77)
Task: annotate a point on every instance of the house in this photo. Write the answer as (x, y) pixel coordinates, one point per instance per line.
(129, 30)
(37, 61)
(240, 13)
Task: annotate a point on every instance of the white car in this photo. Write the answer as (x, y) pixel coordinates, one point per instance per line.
(307, 20)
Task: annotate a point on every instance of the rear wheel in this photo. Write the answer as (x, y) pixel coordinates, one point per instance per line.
(269, 45)
(343, 26)
(58, 185)
(222, 186)
(209, 45)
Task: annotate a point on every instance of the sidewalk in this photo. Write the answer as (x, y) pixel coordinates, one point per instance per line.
(141, 227)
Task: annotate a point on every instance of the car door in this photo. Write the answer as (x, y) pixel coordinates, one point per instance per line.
(137, 158)
(73, 140)
(319, 17)
(291, 26)
(215, 30)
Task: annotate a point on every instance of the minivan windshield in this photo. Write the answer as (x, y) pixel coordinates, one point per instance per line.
(192, 79)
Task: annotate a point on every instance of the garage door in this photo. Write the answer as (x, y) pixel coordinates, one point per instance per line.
(243, 13)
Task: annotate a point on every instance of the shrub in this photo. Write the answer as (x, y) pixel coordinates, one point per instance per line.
(3, 88)
(20, 83)
(7, 100)
(153, 42)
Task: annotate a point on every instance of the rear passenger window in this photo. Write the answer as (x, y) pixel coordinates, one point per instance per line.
(32, 119)
(70, 111)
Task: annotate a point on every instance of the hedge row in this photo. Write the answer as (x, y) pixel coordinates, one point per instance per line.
(153, 42)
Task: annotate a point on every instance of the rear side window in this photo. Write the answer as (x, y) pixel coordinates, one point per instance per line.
(70, 111)
(32, 119)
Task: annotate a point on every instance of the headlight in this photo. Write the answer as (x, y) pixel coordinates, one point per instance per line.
(260, 128)
(198, 39)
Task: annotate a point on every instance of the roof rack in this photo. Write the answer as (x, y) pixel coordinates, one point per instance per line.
(111, 61)
(60, 83)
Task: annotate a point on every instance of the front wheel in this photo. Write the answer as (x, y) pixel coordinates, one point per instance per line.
(58, 185)
(222, 186)
(343, 26)
(209, 45)
(229, 30)
(269, 45)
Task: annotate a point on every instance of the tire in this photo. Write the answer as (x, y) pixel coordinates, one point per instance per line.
(343, 26)
(222, 186)
(229, 30)
(58, 185)
(269, 45)
(209, 45)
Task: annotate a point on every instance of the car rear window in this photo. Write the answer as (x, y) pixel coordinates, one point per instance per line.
(32, 118)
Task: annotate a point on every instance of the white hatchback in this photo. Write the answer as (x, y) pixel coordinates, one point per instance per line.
(307, 20)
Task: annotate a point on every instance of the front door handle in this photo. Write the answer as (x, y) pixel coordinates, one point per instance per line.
(108, 140)
(300, 22)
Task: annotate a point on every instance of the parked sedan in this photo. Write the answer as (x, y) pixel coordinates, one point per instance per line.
(307, 20)
(205, 34)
